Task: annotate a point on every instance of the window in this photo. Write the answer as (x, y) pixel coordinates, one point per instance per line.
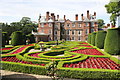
(73, 24)
(87, 24)
(73, 38)
(50, 31)
(62, 25)
(42, 24)
(92, 24)
(50, 24)
(56, 26)
(79, 25)
(67, 32)
(79, 38)
(79, 32)
(92, 30)
(68, 24)
(86, 31)
(73, 32)
(55, 32)
(55, 38)
(68, 38)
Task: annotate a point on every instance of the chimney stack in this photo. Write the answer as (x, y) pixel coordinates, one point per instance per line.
(47, 16)
(88, 15)
(108, 25)
(82, 17)
(76, 17)
(64, 17)
(94, 13)
(57, 17)
(53, 17)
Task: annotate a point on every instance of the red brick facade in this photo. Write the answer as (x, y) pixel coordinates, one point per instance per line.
(58, 29)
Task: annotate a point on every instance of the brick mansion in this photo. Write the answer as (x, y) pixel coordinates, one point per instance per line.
(51, 27)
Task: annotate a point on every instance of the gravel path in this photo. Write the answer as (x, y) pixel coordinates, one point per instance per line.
(9, 75)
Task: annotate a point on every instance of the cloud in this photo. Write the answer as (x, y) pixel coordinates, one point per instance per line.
(16, 9)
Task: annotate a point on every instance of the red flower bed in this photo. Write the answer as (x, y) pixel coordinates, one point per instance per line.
(14, 59)
(34, 55)
(96, 63)
(88, 52)
(18, 50)
(75, 48)
(7, 48)
(84, 43)
(85, 46)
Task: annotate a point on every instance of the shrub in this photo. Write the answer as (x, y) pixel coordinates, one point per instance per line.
(89, 38)
(112, 41)
(4, 38)
(93, 35)
(100, 38)
(17, 38)
(31, 38)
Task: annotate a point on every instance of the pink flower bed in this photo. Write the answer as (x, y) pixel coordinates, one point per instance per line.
(7, 48)
(88, 52)
(18, 50)
(84, 43)
(14, 59)
(34, 55)
(96, 63)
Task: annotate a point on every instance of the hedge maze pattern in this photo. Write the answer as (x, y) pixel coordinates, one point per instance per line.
(78, 57)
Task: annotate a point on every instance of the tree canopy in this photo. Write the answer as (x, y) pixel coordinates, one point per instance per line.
(113, 8)
(100, 23)
(25, 25)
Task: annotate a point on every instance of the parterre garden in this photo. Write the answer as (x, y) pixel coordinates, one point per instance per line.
(78, 60)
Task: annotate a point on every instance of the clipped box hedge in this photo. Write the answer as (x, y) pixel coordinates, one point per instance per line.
(17, 38)
(100, 38)
(25, 68)
(89, 38)
(112, 41)
(93, 35)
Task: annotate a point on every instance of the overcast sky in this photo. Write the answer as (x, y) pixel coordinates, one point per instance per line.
(14, 10)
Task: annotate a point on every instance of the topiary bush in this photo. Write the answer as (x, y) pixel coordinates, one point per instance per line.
(100, 38)
(89, 38)
(112, 41)
(17, 38)
(93, 35)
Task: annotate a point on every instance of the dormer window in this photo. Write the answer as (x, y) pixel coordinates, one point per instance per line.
(42, 24)
(87, 24)
(73, 24)
(50, 24)
(68, 24)
(79, 25)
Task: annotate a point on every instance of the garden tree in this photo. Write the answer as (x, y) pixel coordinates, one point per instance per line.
(17, 25)
(113, 8)
(27, 29)
(100, 23)
(25, 20)
(25, 25)
(31, 38)
(4, 38)
(17, 38)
